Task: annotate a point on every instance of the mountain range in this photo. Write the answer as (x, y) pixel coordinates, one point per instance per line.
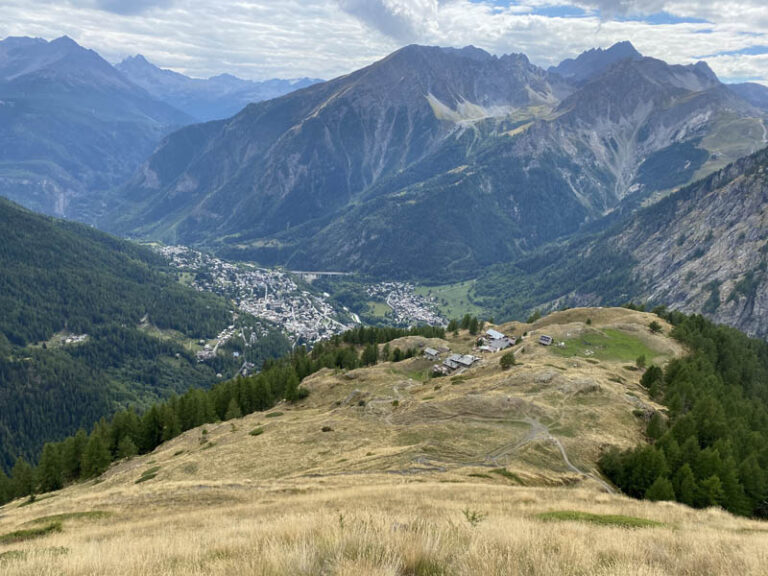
(434, 163)
(73, 127)
(206, 99)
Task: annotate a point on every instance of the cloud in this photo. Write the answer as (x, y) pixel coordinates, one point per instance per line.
(325, 38)
(130, 6)
(403, 20)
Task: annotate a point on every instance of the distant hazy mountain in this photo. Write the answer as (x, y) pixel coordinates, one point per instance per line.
(755, 94)
(210, 99)
(435, 162)
(702, 249)
(71, 126)
(594, 62)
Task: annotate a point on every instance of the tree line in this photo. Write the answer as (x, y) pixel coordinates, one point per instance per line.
(710, 448)
(87, 455)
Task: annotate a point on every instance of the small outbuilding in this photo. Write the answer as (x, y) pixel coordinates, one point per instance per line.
(545, 340)
(431, 353)
(494, 335)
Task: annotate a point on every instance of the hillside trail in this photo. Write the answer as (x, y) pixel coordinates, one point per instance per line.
(540, 432)
(537, 432)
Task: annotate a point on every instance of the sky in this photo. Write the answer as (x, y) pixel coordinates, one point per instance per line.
(259, 39)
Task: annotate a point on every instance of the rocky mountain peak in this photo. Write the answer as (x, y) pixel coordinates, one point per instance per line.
(594, 62)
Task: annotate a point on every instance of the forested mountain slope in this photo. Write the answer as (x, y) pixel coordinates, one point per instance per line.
(89, 323)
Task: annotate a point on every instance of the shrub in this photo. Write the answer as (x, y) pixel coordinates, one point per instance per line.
(507, 361)
(473, 517)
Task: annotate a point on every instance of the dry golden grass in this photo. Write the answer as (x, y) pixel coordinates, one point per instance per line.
(399, 528)
(390, 489)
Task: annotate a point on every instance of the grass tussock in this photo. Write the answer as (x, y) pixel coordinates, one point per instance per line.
(87, 515)
(503, 472)
(30, 533)
(619, 520)
(148, 474)
(11, 555)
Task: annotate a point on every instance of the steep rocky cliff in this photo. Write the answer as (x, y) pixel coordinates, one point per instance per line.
(702, 249)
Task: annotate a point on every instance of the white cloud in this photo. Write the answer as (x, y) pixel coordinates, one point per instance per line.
(325, 38)
(404, 20)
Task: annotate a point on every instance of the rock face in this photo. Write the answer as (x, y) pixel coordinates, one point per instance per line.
(205, 99)
(71, 126)
(703, 249)
(434, 162)
(706, 249)
(594, 62)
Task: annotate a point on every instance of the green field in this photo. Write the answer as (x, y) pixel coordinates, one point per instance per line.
(608, 344)
(378, 309)
(454, 300)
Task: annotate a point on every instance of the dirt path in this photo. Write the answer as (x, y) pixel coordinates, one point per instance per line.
(540, 432)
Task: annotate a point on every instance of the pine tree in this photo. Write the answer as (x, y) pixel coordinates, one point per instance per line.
(96, 458)
(474, 326)
(661, 489)
(685, 485)
(262, 394)
(6, 488)
(72, 454)
(171, 426)
(671, 449)
(292, 387)
(646, 465)
(754, 480)
(23, 478)
(657, 425)
(233, 410)
(126, 448)
(710, 492)
(151, 430)
(734, 500)
(49, 470)
(651, 375)
(370, 355)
